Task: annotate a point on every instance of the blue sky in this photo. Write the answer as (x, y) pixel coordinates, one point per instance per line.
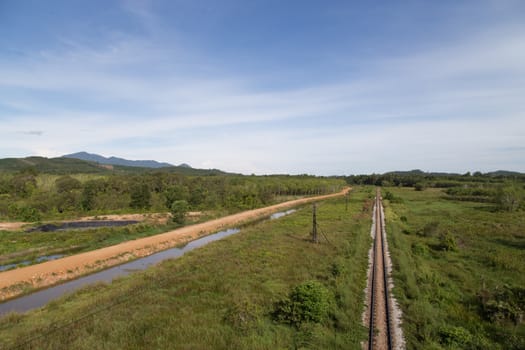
(319, 87)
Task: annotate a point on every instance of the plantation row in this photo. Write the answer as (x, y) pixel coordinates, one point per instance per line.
(28, 196)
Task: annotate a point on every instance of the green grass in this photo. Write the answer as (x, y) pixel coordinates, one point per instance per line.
(222, 296)
(457, 298)
(18, 246)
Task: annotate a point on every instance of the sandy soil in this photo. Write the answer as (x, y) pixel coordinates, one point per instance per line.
(11, 226)
(13, 282)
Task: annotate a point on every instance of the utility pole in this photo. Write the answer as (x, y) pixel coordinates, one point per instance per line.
(346, 201)
(314, 223)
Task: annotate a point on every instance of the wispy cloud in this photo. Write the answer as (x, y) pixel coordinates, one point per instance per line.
(32, 132)
(441, 108)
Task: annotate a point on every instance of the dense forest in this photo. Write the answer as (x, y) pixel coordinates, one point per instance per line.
(29, 196)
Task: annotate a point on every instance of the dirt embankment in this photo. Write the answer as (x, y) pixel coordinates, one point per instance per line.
(13, 282)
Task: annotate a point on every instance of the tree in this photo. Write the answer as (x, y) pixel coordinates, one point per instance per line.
(510, 196)
(179, 209)
(174, 193)
(140, 196)
(67, 184)
(23, 184)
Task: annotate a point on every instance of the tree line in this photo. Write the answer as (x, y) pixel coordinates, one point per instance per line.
(29, 196)
(506, 190)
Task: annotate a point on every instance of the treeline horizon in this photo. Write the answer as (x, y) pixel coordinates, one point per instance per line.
(29, 196)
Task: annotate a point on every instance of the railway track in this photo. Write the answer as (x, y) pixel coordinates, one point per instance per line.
(380, 327)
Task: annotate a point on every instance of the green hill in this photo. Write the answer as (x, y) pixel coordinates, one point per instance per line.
(62, 166)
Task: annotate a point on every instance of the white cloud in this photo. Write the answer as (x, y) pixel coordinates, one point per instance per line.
(453, 108)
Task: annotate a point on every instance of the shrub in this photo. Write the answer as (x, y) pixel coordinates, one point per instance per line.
(429, 230)
(503, 304)
(308, 302)
(419, 248)
(510, 196)
(24, 213)
(419, 186)
(454, 336)
(178, 211)
(447, 241)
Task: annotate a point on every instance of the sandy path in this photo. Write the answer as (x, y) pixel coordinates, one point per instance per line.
(11, 226)
(12, 282)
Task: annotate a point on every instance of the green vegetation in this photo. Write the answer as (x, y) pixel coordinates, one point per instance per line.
(225, 295)
(29, 196)
(458, 267)
(65, 166)
(307, 302)
(16, 247)
(178, 211)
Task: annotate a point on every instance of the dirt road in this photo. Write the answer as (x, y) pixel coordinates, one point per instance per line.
(13, 282)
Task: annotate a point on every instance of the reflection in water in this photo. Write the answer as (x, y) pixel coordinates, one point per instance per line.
(28, 262)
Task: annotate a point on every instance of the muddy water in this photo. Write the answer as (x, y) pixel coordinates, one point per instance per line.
(281, 214)
(40, 298)
(71, 225)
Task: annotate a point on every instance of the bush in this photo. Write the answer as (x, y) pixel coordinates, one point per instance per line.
(24, 213)
(179, 210)
(448, 242)
(308, 302)
(392, 198)
(510, 196)
(503, 304)
(419, 186)
(429, 230)
(419, 248)
(454, 336)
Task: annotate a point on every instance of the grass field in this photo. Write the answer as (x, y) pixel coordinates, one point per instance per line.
(459, 271)
(224, 295)
(18, 246)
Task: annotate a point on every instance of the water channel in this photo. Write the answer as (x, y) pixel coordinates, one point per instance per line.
(42, 297)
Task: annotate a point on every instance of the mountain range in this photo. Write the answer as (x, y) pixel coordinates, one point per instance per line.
(84, 162)
(91, 157)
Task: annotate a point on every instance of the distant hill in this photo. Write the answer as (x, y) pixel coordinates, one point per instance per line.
(64, 165)
(504, 173)
(499, 173)
(420, 173)
(120, 161)
(52, 166)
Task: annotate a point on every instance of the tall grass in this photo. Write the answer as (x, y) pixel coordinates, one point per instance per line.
(446, 294)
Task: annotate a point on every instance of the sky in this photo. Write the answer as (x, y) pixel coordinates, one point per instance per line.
(270, 86)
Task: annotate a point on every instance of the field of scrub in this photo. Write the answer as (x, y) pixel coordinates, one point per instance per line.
(24, 248)
(267, 287)
(459, 270)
